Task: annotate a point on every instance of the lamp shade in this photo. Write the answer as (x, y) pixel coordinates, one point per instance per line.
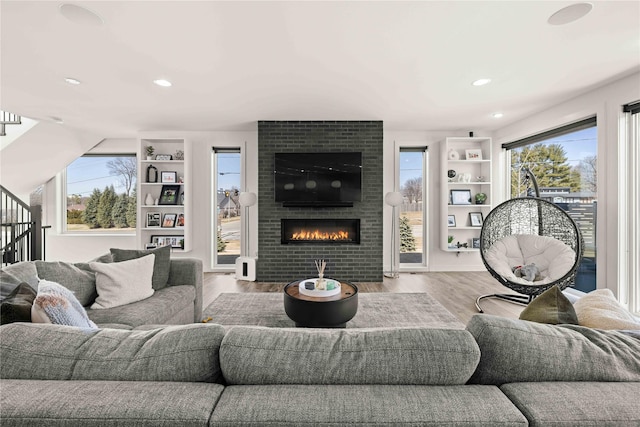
(393, 198)
(247, 199)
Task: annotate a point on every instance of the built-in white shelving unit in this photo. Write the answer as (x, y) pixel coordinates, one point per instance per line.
(168, 170)
(466, 172)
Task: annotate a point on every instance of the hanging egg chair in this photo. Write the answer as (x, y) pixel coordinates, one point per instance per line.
(534, 236)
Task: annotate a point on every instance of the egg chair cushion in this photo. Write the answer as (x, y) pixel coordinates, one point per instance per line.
(553, 257)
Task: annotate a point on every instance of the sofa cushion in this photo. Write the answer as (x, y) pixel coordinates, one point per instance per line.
(365, 405)
(56, 304)
(54, 352)
(17, 306)
(556, 404)
(600, 309)
(256, 355)
(107, 403)
(78, 278)
(163, 305)
(12, 275)
(123, 282)
(161, 265)
(521, 351)
(550, 307)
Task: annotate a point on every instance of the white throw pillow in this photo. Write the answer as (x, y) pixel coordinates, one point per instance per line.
(121, 283)
(601, 310)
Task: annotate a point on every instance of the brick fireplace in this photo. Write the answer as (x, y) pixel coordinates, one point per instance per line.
(357, 258)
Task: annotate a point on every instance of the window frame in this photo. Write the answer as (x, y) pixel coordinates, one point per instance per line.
(62, 191)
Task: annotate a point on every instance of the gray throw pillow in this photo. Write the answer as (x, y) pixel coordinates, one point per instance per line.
(12, 275)
(161, 265)
(550, 307)
(17, 306)
(78, 278)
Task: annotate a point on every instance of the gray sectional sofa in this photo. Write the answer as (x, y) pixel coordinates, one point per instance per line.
(497, 372)
(177, 297)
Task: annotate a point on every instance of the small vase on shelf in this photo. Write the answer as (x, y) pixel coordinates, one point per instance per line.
(149, 199)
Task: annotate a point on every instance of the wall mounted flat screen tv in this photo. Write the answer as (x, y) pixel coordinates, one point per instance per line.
(318, 179)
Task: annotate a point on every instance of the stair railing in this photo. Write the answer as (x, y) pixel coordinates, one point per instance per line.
(21, 231)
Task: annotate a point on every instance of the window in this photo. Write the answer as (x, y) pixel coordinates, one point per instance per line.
(565, 164)
(100, 194)
(227, 210)
(412, 215)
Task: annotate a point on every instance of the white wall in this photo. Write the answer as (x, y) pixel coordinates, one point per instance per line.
(605, 102)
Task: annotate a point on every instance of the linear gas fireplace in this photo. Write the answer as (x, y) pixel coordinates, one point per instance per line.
(338, 231)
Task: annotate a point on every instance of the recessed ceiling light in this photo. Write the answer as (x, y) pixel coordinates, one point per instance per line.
(72, 81)
(481, 82)
(570, 13)
(80, 15)
(57, 120)
(162, 82)
(497, 115)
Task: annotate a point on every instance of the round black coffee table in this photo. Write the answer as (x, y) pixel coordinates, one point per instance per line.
(321, 312)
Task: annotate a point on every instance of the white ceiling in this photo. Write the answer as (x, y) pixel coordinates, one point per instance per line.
(409, 64)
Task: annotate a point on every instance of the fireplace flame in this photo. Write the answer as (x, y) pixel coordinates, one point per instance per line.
(320, 235)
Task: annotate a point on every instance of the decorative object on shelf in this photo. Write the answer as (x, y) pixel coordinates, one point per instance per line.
(453, 155)
(473, 154)
(320, 266)
(168, 177)
(169, 195)
(451, 220)
(475, 219)
(150, 246)
(480, 198)
(155, 202)
(181, 179)
(182, 198)
(179, 155)
(148, 200)
(462, 245)
(464, 177)
(460, 197)
(173, 241)
(180, 220)
(163, 157)
(149, 152)
(181, 243)
(169, 220)
(153, 219)
(480, 178)
(152, 178)
(475, 242)
(450, 241)
(451, 174)
(394, 199)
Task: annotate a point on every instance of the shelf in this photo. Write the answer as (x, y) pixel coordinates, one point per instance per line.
(470, 183)
(461, 250)
(464, 227)
(470, 161)
(161, 183)
(162, 161)
(469, 206)
(181, 229)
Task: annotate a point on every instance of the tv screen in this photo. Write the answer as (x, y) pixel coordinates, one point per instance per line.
(318, 178)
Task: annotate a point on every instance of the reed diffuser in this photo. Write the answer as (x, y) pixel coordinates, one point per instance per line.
(320, 265)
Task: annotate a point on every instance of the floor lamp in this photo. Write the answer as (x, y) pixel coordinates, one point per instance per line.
(393, 199)
(246, 265)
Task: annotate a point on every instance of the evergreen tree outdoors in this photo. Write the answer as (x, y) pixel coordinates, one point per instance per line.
(132, 215)
(221, 243)
(90, 214)
(548, 162)
(105, 207)
(407, 241)
(119, 212)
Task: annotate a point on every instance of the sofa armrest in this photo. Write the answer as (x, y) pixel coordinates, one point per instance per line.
(188, 271)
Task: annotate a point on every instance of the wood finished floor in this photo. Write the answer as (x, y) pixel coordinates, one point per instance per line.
(457, 291)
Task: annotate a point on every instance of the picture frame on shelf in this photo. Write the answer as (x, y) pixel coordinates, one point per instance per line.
(168, 177)
(460, 197)
(153, 219)
(180, 220)
(169, 195)
(164, 157)
(476, 219)
(169, 220)
(451, 220)
(166, 240)
(473, 154)
(475, 243)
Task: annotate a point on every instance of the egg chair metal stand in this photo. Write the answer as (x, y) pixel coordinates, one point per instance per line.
(532, 216)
